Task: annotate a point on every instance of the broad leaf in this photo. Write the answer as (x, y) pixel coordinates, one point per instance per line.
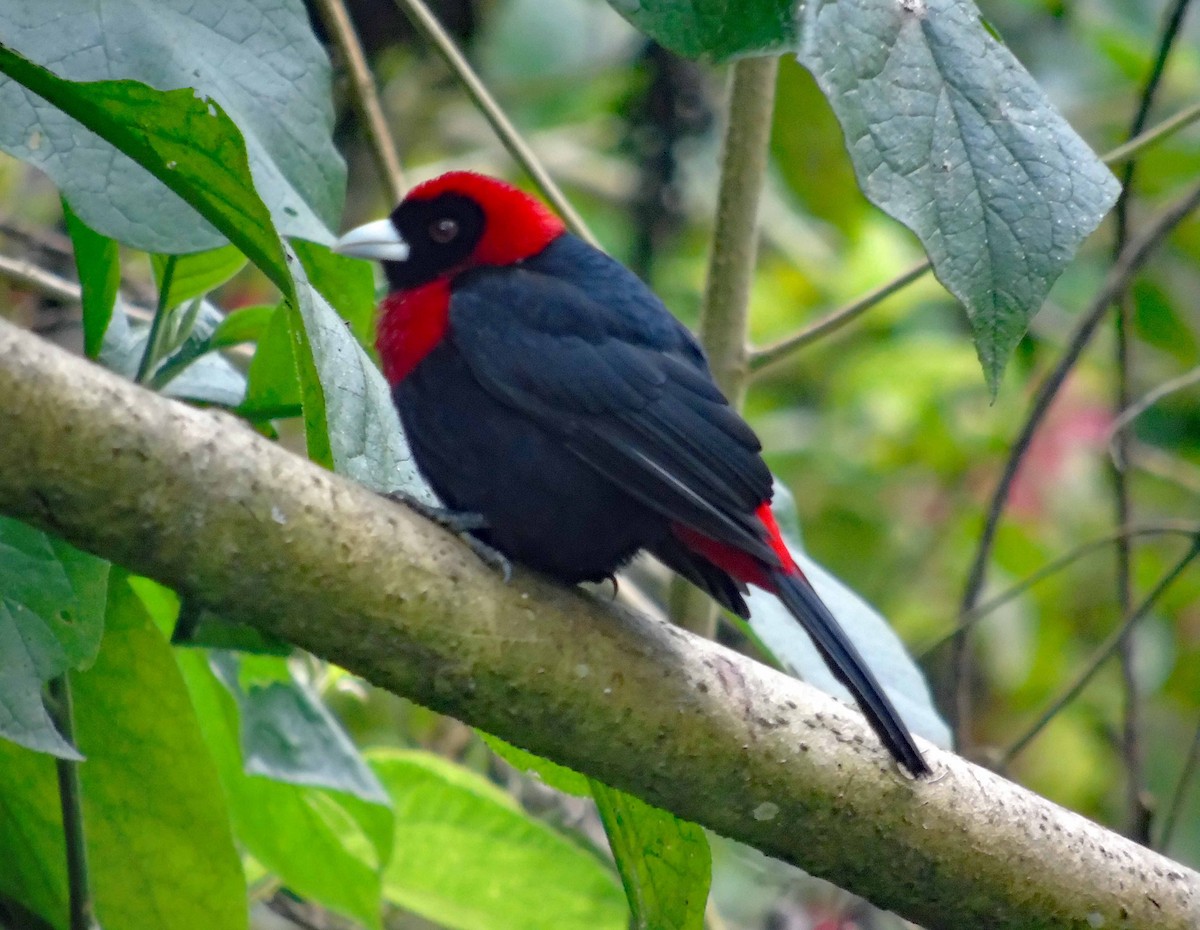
(185, 141)
(31, 834)
(347, 284)
(665, 862)
(365, 437)
(324, 845)
(953, 138)
(467, 858)
(259, 62)
(245, 324)
(159, 843)
(51, 620)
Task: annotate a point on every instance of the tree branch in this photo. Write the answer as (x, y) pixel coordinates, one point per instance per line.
(199, 502)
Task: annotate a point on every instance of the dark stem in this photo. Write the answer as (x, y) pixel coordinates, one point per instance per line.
(980, 611)
(72, 810)
(1137, 809)
(363, 95)
(431, 30)
(1132, 258)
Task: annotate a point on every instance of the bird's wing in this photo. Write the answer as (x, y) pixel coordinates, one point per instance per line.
(638, 407)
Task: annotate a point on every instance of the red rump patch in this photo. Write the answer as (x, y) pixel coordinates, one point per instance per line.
(411, 323)
(741, 565)
(516, 226)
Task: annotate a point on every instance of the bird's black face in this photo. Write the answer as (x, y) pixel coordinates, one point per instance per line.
(422, 240)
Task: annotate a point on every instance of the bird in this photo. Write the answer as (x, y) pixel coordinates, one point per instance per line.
(552, 400)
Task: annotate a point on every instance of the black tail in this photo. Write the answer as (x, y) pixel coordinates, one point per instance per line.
(849, 668)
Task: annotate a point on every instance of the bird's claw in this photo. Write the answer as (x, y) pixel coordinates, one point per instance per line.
(460, 523)
(489, 556)
(456, 521)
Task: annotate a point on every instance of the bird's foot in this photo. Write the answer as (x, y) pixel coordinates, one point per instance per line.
(460, 523)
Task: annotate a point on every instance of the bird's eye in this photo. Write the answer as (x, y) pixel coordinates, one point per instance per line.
(443, 230)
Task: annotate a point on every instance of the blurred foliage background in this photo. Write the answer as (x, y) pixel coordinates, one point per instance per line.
(884, 430)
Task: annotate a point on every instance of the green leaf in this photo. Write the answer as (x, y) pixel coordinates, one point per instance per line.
(159, 844)
(31, 834)
(261, 64)
(272, 382)
(245, 324)
(366, 441)
(714, 28)
(185, 141)
(287, 732)
(195, 275)
(347, 284)
(873, 636)
(467, 858)
(953, 138)
(558, 777)
(326, 846)
(665, 862)
(194, 375)
(51, 619)
(98, 261)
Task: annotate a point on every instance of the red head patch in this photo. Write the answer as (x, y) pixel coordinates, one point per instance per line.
(516, 225)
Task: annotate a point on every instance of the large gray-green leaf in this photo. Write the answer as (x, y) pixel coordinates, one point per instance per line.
(51, 620)
(185, 141)
(287, 732)
(953, 138)
(870, 632)
(365, 436)
(714, 28)
(468, 858)
(258, 60)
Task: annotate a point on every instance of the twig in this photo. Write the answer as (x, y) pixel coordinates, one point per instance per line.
(1153, 135)
(426, 23)
(364, 96)
(27, 275)
(80, 903)
(1107, 648)
(765, 357)
(1118, 278)
(769, 355)
(724, 314)
(1051, 568)
(1141, 405)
